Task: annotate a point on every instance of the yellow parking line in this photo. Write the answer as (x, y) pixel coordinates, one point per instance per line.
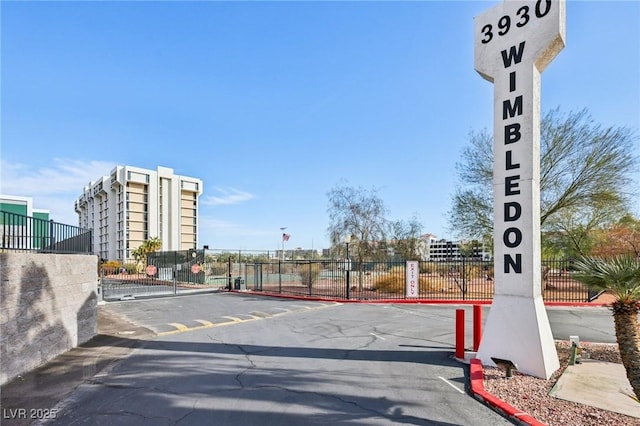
(181, 328)
(260, 314)
(177, 325)
(234, 319)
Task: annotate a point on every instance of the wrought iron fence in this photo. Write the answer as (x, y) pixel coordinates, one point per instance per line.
(160, 274)
(26, 233)
(466, 280)
(179, 272)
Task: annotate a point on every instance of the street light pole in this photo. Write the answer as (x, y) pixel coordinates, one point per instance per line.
(347, 265)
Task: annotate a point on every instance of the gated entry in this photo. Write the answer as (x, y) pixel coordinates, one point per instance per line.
(163, 274)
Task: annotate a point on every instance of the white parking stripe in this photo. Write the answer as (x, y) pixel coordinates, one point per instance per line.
(451, 384)
(379, 337)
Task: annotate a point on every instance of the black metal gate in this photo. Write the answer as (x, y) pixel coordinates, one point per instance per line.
(163, 274)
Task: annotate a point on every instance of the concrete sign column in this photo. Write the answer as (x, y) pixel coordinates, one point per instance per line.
(514, 42)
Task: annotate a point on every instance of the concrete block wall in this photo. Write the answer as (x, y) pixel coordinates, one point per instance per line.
(48, 305)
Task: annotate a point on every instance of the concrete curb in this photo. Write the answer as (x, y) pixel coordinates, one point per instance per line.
(402, 301)
(477, 389)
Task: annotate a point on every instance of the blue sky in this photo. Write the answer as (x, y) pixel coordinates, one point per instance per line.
(272, 104)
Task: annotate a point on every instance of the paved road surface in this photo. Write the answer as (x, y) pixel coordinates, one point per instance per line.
(225, 359)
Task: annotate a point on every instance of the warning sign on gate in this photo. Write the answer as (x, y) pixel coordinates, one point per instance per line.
(151, 270)
(195, 268)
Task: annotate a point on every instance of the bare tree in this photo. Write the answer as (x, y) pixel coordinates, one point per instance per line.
(360, 214)
(404, 238)
(583, 166)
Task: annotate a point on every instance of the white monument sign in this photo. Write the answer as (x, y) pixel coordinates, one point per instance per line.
(514, 42)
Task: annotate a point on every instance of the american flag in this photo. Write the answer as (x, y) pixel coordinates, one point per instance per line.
(285, 237)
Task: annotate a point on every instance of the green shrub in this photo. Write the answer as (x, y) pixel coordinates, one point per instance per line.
(131, 268)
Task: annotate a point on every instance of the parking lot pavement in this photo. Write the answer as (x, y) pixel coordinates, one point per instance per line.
(188, 313)
(283, 362)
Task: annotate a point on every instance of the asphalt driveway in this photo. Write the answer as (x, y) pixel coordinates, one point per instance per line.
(235, 360)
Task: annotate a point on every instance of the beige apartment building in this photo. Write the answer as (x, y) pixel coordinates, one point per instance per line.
(133, 204)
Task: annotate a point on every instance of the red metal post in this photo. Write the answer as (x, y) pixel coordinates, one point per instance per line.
(460, 333)
(477, 326)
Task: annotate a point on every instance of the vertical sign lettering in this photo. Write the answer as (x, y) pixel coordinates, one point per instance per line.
(514, 42)
(412, 278)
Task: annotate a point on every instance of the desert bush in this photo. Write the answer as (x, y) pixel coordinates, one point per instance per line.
(110, 267)
(389, 284)
(380, 267)
(398, 270)
(395, 283)
(441, 269)
(475, 271)
(425, 268)
(217, 268)
(309, 273)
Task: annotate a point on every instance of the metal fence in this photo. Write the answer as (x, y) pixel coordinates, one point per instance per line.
(189, 271)
(26, 233)
(463, 280)
(160, 274)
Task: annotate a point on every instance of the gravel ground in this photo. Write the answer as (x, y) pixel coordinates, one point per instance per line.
(531, 394)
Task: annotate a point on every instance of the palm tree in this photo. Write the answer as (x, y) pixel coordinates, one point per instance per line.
(149, 246)
(621, 277)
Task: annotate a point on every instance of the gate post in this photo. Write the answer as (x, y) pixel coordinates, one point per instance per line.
(175, 272)
(175, 284)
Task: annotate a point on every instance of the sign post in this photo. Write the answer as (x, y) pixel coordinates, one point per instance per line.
(514, 42)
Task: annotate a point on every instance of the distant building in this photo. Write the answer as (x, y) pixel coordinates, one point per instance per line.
(23, 206)
(35, 231)
(132, 205)
(443, 250)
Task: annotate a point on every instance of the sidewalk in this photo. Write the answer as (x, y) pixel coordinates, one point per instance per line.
(598, 384)
(43, 388)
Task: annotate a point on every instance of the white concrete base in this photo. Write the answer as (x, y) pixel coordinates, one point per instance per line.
(517, 329)
(468, 356)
